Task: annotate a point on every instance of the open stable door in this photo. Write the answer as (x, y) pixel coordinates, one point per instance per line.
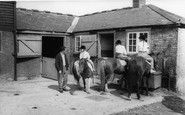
(49, 70)
(107, 44)
(50, 48)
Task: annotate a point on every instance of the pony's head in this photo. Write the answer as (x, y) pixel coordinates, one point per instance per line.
(82, 65)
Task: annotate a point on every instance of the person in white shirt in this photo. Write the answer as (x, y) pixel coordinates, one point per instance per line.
(121, 52)
(143, 50)
(86, 55)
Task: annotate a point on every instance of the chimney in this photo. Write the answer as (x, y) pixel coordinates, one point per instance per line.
(138, 3)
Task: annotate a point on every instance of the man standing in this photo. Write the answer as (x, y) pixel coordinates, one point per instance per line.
(61, 64)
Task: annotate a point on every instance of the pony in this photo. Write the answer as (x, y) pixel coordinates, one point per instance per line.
(81, 69)
(138, 67)
(108, 67)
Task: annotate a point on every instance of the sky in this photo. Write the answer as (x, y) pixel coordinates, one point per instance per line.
(82, 7)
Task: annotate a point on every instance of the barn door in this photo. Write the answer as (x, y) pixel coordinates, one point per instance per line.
(50, 48)
(90, 42)
(48, 69)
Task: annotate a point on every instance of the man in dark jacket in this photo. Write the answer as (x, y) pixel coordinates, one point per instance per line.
(61, 64)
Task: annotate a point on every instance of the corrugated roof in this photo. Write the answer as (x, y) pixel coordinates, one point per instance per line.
(43, 20)
(148, 15)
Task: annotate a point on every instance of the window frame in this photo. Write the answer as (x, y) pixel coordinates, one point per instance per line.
(77, 48)
(137, 32)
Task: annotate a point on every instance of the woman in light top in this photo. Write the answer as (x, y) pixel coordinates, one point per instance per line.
(143, 50)
(120, 50)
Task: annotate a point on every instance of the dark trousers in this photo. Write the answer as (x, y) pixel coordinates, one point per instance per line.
(62, 79)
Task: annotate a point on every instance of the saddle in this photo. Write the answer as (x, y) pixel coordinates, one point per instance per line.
(123, 62)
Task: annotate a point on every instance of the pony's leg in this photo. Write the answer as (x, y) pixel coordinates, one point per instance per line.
(147, 80)
(138, 87)
(84, 83)
(139, 84)
(78, 85)
(111, 76)
(106, 87)
(147, 85)
(138, 90)
(129, 91)
(87, 80)
(142, 85)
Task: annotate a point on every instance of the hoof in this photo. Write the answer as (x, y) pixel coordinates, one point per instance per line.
(103, 93)
(107, 91)
(88, 92)
(80, 88)
(129, 99)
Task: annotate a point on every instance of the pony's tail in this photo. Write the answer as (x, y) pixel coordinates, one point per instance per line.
(132, 65)
(75, 72)
(102, 75)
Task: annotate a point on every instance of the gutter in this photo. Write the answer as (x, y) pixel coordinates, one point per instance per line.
(40, 32)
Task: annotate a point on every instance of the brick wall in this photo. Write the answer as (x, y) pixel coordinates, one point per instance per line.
(165, 41)
(6, 57)
(121, 35)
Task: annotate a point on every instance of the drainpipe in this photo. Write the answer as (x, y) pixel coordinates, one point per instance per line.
(15, 43)
(164, 66)
(15, 56)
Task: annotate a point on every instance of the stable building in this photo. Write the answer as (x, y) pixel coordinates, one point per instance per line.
(39, 34)
(165, 34)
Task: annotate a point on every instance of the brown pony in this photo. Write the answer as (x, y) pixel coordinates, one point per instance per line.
(82, 70)
(109, 67)
(138, 67)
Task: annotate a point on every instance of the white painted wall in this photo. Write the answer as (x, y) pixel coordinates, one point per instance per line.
(181, 61)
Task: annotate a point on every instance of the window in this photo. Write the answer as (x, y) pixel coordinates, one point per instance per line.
(0, 41)
(133, 39)
(77, 43)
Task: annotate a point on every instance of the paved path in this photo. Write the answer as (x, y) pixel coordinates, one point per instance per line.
(40, 97)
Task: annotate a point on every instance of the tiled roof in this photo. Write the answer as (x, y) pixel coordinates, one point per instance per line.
(43, 20)
(148, 15)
